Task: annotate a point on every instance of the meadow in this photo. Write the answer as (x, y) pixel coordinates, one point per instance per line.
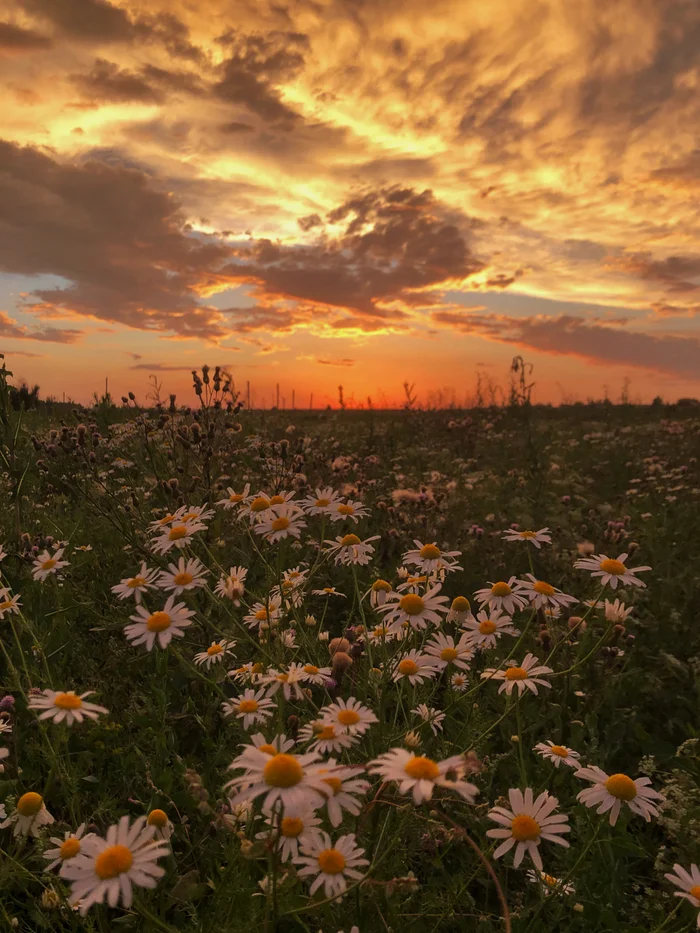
(337, 671)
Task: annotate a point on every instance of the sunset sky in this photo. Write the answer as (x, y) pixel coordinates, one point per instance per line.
(363, 192)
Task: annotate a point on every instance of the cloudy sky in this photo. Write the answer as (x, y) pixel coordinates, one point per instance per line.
(355, 192)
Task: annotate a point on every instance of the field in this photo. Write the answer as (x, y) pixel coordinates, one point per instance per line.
(308, 645)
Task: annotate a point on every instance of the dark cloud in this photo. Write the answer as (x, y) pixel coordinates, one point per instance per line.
(90, 20)
(593, 341)
(674, 272)
(106, 81)
(161, 368)
(16, 39)
(236, 127)
(341, 362)
(10, 329)
(668, 310)
(503, 281)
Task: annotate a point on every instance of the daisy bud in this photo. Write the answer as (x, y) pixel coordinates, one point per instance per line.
(50, 900)
(411, 740)
(578, 908)
(341, 662)
(632, 547)
(311, 620)
(323, 636)
(338, 645)
(515, 738)
(576, 622)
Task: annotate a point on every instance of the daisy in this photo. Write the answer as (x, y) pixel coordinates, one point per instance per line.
(324, 737)
(316, 675)
(11, 604)
(282, 521)
(536, 538)
(216, 652)
(549, 883)
(67, 706)
(165, 624)
(280, 743)
(293, 780)
(233, 586)
(109, 867)
(135, 586)
(29, 816)
(526, 676)
(431, 716)
(446, 652)
(160, 523)
(412, 583)
(322, 503)
(484, 631)
(263, 615)
(612, 571)
(348, 510)
(234, 498)
(349, 716)
(332, 863)
(460, 610)
(178, 535)
(183, 576)
(66, 848)
(614, 611)
(611, 791)
(459, 682)
(543, 594)
(162, 825)
(415, 666)
(416, 610)
(420, 776)
(379, 593)
(502, 597)
(348, 549)
(193, 513)
(557, 754)
(293, 830)
(47, 564)
(247, 673)
(429, 558)
(529, 821)
(340, 782)
(254, 507)
(252, 707)
(688, 884)
(288, 680)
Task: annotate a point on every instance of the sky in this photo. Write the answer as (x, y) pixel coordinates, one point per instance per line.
(363, 193)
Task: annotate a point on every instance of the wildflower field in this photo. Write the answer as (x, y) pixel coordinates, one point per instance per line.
(373, 671)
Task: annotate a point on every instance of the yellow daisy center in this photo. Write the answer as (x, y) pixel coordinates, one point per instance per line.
(322, 503)
(381, 586)
(695, 892)
(621, 786)
(70, 848)
(527, 534)
(261, 614)
(524, 828)
(135, 581)
(257, 668)
(177, 532)
(516, 673)
(183, 579)
(158, 622)
(29, 804)
(67, 701)
(544, 589)
(331, 862)
(310, 669)
(407, 666)
(291, 826)
(282, 771)
(283, 678)
(411, 604)
(461, 604)
(421, 769)
(335, 784)
(348, 717)
(326, 733)
(213, 650)
(114, 861)
(559, 750)
(48, 564)
(166, 519)
(549, 880)
(259, 504)
(235, 497)
(348, 540)
(277, 500)
(448, 654)
(429, 552)
(188, 516)
(614, 567)
(280, 524)
(501, 589)
(346, 509)
(5, 605)
(268, 749)
(487, 627)
(248, 706)
(157, 818)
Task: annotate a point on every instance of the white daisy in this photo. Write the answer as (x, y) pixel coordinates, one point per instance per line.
(216, 652)
(183, 576)
(165, 624)
(615, 611)
(609, 792)
(419, 776)
(178, 535)
(541, 594)
(328, 591)
(340, 782)
(558, 754)
(67, 706)
(29, 816)
(233, 586)
(160, 523)
(688, 884)
(447, 653)
(549, 883)
(612, 571)
(459, 682)
(536, 538)
(430, 716)
(502, 596)
(65, 849)
(429, 558)
(233, 498)
(137, 585)
(9, 604)
(322, 503)
(264, 615)
(379, 593)
(324, 737)
(293, 780)
(416, 667)
(529, 821)
(528, 675)
(332, 863)
(460, 610)
(417, 611)
(110, 867)
(349, 549)
(193, 514)
(161, 824)
(488, 626)
(348, 715)
(292, 830)
(47, 564)
(316, 675)
(350, 510)
(251, 706)
(280, 522)
(289, 681)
